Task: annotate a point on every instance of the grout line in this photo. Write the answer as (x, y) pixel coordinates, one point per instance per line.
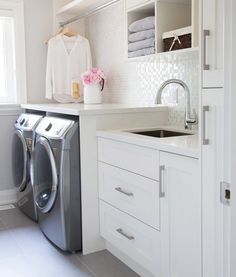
(84, 264)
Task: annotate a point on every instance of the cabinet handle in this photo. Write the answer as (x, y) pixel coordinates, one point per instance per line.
(161, 190)
(205, 109)
(124, 192)
(206, 33)
(121, 232)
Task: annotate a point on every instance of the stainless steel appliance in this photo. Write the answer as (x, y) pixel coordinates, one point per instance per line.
(23, 141)
(56, 182)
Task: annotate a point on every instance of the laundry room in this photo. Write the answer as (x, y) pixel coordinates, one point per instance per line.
(117, 150)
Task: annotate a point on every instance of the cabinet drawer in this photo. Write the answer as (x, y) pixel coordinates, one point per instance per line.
(132, 3)
(141, 160)
(138, 241)
(131, 193)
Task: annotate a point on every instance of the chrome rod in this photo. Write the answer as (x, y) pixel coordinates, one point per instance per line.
(124, 192)
(83, 15)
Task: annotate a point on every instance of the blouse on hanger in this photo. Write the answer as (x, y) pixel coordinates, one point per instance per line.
(68, 58)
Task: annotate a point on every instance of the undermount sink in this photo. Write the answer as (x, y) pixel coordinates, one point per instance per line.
(161, 133)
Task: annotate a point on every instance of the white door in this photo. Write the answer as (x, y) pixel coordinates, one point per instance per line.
(214, 212)
(180, 216)
(213, 43)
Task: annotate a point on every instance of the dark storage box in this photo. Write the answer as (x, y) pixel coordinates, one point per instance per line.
(177, 40)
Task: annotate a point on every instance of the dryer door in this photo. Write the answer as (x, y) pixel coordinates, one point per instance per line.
(20, 161)
(44, 175)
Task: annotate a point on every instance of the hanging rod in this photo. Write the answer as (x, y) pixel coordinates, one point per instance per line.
(99, 8)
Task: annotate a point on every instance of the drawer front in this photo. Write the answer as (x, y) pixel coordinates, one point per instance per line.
(132, 3)
(141, 160)
(138, 241)
(131, 193)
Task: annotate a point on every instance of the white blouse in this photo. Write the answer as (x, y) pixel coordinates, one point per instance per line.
(68, 58)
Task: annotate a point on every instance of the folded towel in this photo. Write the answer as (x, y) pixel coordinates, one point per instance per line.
(142, 24)
(142, 52)
(138, 45)
(142, 35)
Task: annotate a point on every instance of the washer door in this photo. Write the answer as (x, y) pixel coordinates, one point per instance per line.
(44, 175)
(20, 161)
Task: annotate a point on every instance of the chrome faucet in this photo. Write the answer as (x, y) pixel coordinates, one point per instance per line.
(189, 118)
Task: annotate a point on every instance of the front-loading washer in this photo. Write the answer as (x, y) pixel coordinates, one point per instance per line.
(23, 141)
(56, 182)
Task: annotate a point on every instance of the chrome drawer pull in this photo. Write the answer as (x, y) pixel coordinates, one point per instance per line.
(205, 109)
(120, 231)
(206, 33)
(161, 171)
(124, 192)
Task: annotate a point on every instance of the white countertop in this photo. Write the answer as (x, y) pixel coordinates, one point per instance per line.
(82, 109)
(181, 145)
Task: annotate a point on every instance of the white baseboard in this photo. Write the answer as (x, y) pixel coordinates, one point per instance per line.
(8, 197)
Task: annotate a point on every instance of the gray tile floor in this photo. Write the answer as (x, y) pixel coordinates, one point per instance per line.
(24, 252)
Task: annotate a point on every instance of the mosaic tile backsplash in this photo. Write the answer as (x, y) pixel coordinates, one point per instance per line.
(138, 82)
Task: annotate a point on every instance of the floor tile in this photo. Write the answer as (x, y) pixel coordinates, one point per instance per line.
(105, 264)
(25, 252)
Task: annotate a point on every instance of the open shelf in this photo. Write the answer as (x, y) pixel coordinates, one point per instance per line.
(172, 15)
(150, 57)
(77, 7)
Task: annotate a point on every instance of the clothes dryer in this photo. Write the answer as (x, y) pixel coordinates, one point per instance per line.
(23, 142)
(56, 182)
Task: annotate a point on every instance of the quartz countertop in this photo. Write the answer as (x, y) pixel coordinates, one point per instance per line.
(182, 145)
(82, 109)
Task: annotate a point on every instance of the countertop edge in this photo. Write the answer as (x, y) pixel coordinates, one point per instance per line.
(99, 111)
(152, 143)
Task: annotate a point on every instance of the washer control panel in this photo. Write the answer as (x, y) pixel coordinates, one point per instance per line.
(55, 128)
(28, 122)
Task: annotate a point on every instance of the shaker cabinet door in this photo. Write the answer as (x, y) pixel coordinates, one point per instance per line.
(213, 43)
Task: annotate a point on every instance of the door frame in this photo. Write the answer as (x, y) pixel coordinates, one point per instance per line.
(230, 124)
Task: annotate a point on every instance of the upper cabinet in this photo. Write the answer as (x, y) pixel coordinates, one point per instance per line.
(213, 43)
(156, 26)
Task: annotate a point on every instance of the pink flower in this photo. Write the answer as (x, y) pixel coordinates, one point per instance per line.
(93, 76)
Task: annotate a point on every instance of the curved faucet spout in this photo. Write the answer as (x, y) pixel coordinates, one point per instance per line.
(189, 118)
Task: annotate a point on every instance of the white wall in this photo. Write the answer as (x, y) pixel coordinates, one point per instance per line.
(38, 28)
(7, 119)
(137, 82)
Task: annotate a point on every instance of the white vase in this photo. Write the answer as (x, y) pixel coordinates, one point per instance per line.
(92, 94)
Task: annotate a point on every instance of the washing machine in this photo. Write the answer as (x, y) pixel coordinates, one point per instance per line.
(56, 181)
(23, 141)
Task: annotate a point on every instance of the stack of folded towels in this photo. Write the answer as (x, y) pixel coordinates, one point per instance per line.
(142, 37)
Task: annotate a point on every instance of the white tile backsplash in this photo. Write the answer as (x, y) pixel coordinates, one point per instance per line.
(138, 82)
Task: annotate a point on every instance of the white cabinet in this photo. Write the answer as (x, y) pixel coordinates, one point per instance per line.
(132, 237)
(134, 3)
(134, 194)
(141, 160)
(150, 208)
(213, 43)
(214, 212)
(180, 216)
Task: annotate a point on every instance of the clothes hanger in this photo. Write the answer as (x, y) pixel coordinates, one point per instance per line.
(63, 31)
(66, 31)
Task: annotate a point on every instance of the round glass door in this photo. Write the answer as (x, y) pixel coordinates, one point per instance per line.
(20, 161)
(44, 175)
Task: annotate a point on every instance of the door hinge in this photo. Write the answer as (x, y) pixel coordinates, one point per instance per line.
(225, 193)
